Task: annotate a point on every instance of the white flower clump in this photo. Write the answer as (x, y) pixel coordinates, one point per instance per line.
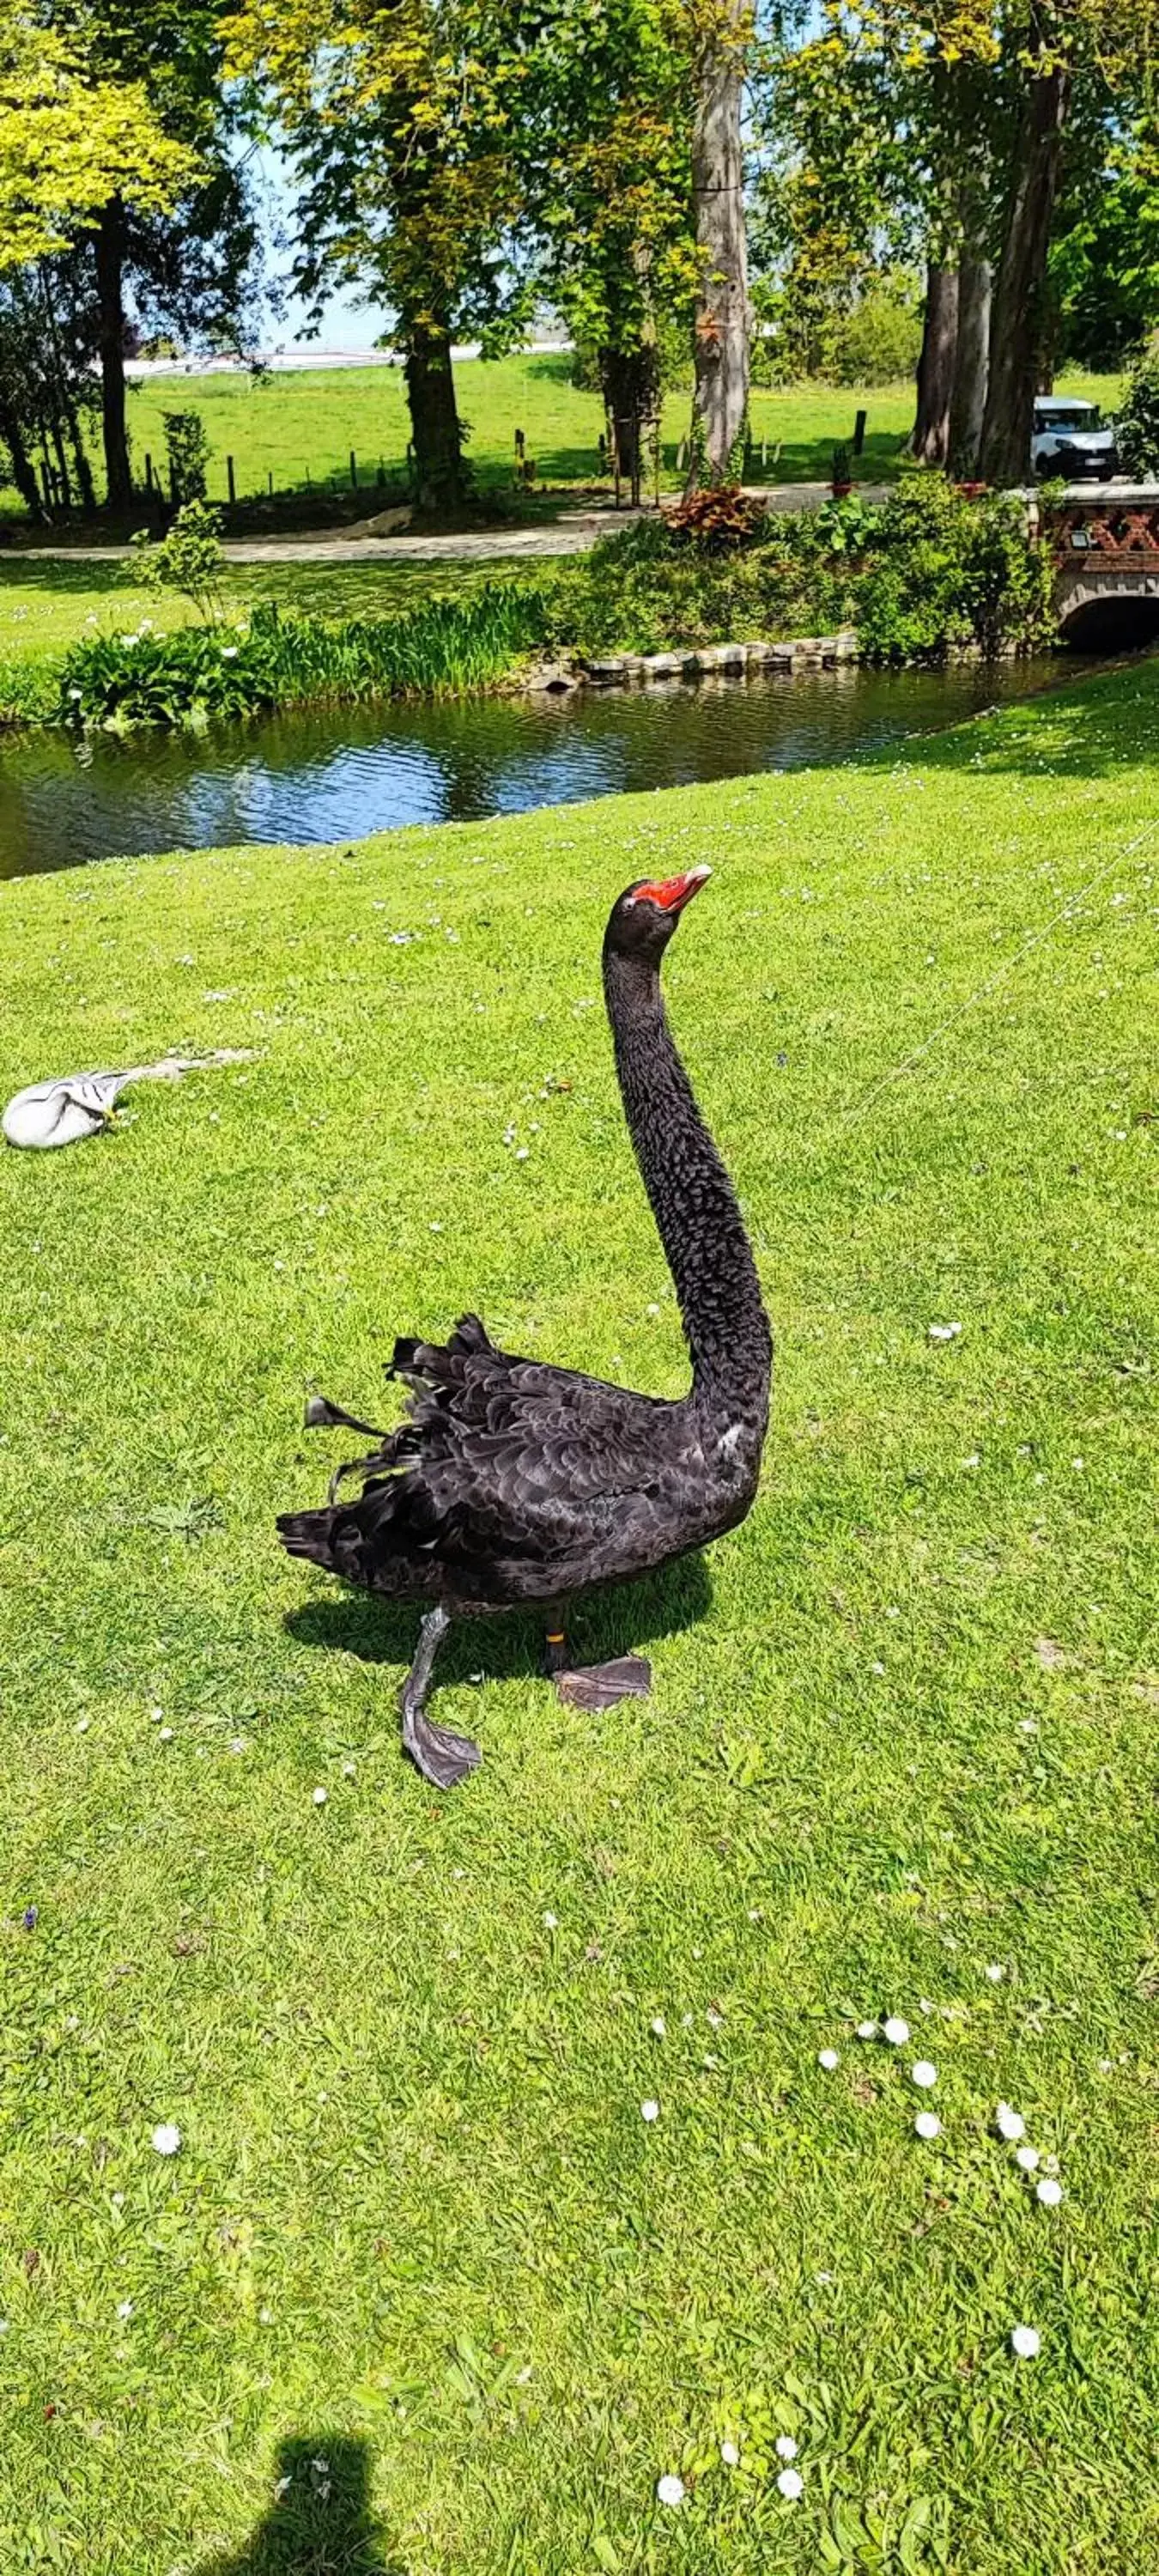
(1009, 2124)
(867, 2030)
(1025, 2342)
(928, 2125)
(895, 2030)
(166, 2138)
(649, 2111)
(924, 2073)
(828, 2058)
(790, 2484)
(1048, 2191)
(320, 1797)
(786, 2447)
(1029, 2158)
(730, 2455)
(670, 2490)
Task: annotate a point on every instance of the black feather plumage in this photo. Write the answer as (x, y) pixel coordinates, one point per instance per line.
(513, 1481)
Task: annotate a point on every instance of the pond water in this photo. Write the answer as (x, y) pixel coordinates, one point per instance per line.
(351, 770)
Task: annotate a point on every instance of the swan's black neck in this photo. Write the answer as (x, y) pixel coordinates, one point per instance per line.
(692, 1198)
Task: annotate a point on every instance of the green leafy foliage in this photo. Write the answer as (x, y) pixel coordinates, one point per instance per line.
(920, 574)
(187, 449)
(1138, 417)
(211, 670)
(189, 559)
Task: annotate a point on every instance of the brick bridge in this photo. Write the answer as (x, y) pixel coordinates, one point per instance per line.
(1106, 542)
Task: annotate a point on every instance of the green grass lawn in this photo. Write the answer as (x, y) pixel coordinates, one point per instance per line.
(901, 1731)
(301, 428)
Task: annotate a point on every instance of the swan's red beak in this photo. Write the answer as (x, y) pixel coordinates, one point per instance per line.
(672, 893)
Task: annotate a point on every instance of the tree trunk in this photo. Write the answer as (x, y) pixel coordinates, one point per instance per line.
(971, 365)
(110, 258)
(1019, 297)
(23, 469)
(630, 379)
(436, 433)
(721, 341)
(931, 431)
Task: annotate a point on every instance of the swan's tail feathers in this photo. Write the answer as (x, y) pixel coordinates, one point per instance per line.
(308, 1534)
(440, 1363)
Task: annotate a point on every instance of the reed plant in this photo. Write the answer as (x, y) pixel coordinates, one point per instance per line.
(275, 660)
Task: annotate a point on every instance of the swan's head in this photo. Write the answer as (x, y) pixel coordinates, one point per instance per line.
(645, 915)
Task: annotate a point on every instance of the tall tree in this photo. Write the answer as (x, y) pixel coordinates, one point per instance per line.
(400, 120)
(71, 138)
(605, 147)
(723, 31)
(173, 259)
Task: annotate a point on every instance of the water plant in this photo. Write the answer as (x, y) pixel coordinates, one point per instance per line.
(276, 660)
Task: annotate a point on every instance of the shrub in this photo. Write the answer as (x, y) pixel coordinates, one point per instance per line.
(1137, 419)
(187, 448)
(717, 518)
(189, 559)
(204, 671)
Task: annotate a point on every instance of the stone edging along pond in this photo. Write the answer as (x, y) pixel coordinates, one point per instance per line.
(628, 670)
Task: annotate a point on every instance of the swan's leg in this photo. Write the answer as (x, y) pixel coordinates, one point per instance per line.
(444, 1759)
(594, 1686)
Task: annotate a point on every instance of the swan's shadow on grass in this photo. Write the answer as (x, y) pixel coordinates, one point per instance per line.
(323, 2525)
(620, 1620)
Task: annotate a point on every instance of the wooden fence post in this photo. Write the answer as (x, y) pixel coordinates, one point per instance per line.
(353, 471)
(859, 432)
(230, 481)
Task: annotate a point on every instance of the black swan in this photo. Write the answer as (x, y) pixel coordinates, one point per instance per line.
(515, 1482)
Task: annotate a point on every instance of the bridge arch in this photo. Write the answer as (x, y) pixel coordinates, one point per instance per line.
(1106, 548)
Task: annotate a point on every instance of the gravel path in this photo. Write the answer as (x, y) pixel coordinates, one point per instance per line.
(571, 534)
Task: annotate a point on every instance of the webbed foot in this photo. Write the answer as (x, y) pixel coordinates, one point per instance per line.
(595, 1686)
(443, 1758)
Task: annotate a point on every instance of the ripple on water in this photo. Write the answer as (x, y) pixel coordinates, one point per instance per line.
(347, 771)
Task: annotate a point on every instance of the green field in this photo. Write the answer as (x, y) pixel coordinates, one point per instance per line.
(301, 428)
(902, 1729)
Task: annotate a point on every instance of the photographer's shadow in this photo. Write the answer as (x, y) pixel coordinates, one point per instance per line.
(320, 2521)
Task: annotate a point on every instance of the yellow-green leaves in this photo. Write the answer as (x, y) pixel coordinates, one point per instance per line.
(69, 141)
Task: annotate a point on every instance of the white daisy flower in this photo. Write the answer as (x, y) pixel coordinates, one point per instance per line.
(928, 2125)
(1009, 2124)
(730, 2455)
(166, 2138)
(1028, 2158)
(649, 2111)
(670, 2490)
(1048, 2191)
(786, 2447)
(790, 2484)
(828, 2058)
(924, 2073)
(1026, 2342)
(895, 2030)
(320, 1797)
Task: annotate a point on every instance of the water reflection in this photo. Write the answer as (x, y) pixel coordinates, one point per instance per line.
(338, 774)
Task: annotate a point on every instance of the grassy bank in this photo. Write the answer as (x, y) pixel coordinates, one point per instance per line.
(902, 1726)
(300, 428)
